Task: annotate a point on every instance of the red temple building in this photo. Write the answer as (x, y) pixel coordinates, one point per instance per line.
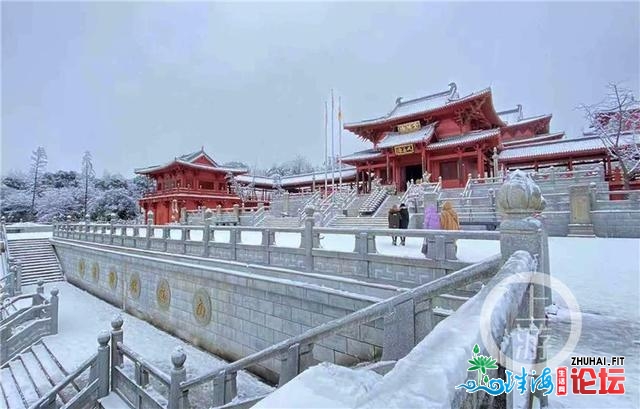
(452, 137)
(193, 180)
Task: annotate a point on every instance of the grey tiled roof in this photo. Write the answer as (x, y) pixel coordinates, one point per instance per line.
(394, 138)
(464, 138)
(319, 177)
(419, 105)
(510, 116)
(533, 139)
(361, 155)
(554, 147)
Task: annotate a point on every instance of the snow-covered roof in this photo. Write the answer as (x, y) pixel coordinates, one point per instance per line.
(307, 178)
(362, 155)
(395, 138)
(418, 105)
(189, 160)
(510, 116)
(564, 146)
(464, 138)
(534, 139)
(523, 121)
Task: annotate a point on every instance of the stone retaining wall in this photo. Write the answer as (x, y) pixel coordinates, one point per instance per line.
(228, 313)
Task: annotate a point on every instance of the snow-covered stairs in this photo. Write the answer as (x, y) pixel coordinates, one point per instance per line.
(282, 222)
(28, 376)
(364, 222)
(38, 260)
(7, 310)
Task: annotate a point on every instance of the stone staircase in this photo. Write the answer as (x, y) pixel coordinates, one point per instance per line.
(364, 222)
(383, 210)
(38, 260)
(450, 193)
(281, 222)
(354, 208)
(30, 375)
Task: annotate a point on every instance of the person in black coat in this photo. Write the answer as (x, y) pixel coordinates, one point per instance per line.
(404, 221)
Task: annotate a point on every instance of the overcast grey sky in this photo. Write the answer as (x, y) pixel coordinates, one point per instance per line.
(139, 83)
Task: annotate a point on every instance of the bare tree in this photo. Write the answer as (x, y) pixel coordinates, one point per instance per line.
(87, 176)
(38, 165)
(616, 121)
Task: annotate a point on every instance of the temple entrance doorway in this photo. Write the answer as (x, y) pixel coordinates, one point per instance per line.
(413, 172)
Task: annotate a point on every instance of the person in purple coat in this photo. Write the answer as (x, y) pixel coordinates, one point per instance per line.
(431, 222)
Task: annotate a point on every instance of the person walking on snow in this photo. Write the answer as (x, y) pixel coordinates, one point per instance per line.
(394, 222)
(431, 222)
(404, 221)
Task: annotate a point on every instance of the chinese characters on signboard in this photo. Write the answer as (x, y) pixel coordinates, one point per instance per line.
(403, 149)
(409, 127)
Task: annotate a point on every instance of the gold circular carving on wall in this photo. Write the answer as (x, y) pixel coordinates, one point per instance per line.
(113, 279)
(134, 286)
(202, 307)
(95, 272)
(82, 267)
(163, 294)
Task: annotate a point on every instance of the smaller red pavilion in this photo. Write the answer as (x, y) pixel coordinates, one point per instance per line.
(193, 180)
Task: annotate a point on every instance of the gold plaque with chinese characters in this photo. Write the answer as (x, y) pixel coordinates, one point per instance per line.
(409, 127)
(403, 149)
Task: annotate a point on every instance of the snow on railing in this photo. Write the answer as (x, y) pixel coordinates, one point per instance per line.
(27, 325)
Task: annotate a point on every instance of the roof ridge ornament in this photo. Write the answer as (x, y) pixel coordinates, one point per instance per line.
(398, 100)
(453, 91)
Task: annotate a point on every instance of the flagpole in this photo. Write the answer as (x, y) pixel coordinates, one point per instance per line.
(340, 138)
(333, 155)
(325, 147)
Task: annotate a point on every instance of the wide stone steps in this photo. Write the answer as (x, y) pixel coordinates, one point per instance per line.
(282, 222)
(38, 260)
(388, 203)
(30, 375)
(354, 207)
(363, 222)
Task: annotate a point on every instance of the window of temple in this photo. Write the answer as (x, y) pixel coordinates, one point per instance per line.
(207, 185)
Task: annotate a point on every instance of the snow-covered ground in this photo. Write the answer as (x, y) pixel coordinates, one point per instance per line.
(83, 316)
(30, 235)
(603, 275)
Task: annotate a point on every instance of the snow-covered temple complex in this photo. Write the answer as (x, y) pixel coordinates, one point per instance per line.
(454, 138)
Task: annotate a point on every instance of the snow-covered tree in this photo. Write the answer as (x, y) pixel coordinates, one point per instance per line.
(16, 180)
(616, 121)
(88, 174)
(60, 179)
(119, 201)
(15, 204)
(140, 185)
(56, 204)
(38, 165)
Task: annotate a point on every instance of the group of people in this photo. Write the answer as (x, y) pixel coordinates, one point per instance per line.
(446, 220)
(398, 219)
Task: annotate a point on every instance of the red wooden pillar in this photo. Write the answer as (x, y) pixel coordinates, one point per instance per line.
(424, 160)
(480, 162)
(388, 173)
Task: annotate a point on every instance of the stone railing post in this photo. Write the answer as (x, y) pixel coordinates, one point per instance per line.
(54, 301)
(236, 211)
(580, 223)
(11, 285)
(308, 237)
(519, 199)
(285, 204)
(117, 335)
(112, 229)
(150, 232)
(399, 331)
(166, 234)
(225, 388)
(206, 237)
(233, 243)
(102, 364)
(295, 361)
(17, 279)
(5, 334)
(38, 297)
(178, 375)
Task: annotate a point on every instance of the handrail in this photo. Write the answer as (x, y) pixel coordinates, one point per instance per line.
(25, 315)
(366, 314)
(134, 356)
(66, 381)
